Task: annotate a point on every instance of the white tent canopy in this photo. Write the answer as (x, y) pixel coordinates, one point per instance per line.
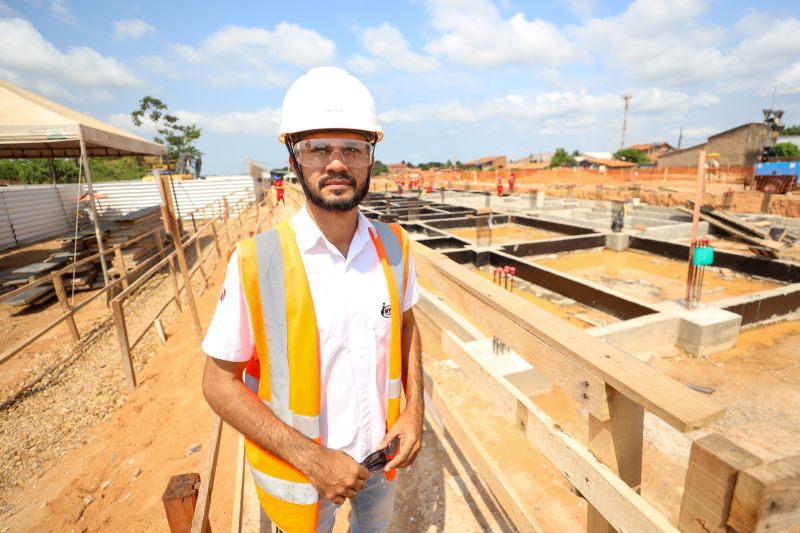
(32, 126)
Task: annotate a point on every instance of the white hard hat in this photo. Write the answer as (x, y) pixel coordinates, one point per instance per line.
(328, 98)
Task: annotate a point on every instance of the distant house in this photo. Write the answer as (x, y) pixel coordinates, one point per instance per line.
(741, 145)
(654, 150)
(497, 162)
(397, 168)
(793, 139)
(601, 163)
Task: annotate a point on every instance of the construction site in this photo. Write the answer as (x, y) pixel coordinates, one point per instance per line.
(605, 348)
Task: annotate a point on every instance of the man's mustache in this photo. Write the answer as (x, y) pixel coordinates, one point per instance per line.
(324, 180)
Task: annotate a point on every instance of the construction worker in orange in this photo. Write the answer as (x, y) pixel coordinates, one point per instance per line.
(279, 190)
(499, 185)
(511, 180)
(314, 338)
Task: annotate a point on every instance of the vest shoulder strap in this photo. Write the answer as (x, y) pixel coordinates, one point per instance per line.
(395, 242)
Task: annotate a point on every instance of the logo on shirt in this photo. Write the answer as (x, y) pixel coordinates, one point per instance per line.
(222, 294)
(386, 310)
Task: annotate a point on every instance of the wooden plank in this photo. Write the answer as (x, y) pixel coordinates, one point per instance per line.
(27, 296)
(200, 522)
(767, 497)
(121, 265)
(124, 345)
(710, 479)
(621, 505)
(58, 284)
(617, 443)
(566, 355)
(480, 459)
(162, 336)
(180, 501)
(34, 269)
(769, 244)
(238, 487)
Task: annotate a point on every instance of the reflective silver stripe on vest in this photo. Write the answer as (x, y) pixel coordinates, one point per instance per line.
(395, 386)
(394, 253)
(273, 307)
(289, 491)
(307, 425)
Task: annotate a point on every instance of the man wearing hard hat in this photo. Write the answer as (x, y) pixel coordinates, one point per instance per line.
(314, 339)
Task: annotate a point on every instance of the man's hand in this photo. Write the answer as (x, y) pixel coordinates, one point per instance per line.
(336, 475)
(408, 428)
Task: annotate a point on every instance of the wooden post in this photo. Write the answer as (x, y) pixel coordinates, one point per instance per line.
(617, 443)
(199, 251)
(171, 222)
(216, 237)
(767, 497)
(124, 345)
(180, 500)
(58, 284)
(225, 208)
(173, 278)
(200, 522)
(123, 271)
(710, 478)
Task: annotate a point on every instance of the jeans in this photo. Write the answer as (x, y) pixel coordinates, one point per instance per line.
(372, 507)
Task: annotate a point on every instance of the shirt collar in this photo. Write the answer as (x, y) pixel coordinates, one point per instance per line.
(309, 235)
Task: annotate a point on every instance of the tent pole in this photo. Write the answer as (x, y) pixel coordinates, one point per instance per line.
(98, 234)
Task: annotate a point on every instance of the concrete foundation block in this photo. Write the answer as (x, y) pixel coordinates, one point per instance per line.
(618, 241)
(706, 330)
(641, 336)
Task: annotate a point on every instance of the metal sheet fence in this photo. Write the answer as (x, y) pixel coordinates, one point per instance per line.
(30, 213)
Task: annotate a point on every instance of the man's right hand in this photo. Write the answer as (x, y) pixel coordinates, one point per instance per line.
(336, 475)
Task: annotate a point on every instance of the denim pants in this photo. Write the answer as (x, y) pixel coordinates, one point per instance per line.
(372, 508)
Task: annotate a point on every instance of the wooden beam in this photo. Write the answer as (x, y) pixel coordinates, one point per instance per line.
(124, 344)
(180, 500)
(617, 443)
(714, 464)
(58, 284)
(767, 497)
(568, 356)
(200, 522)
(601, 487)
(480, 459)
(238, 487)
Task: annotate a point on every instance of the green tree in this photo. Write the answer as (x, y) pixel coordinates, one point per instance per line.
(784, 150)
(631, 155)
(32, 171)
(379, 168)
(178, 138)
(792, 130)
(562, 159)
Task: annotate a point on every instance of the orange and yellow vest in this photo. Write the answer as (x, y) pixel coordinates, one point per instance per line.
(284, 371)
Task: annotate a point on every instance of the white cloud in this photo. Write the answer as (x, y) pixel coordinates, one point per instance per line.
(563, 111)
(582, 8)
(388, 49)
(132, 29)
(31, 60)
(242, 55)
(61, 11)
(262, 122)
(474, 34)
(789, 80)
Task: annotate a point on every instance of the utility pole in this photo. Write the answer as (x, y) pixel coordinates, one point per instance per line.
(627, 97)
(680, 137)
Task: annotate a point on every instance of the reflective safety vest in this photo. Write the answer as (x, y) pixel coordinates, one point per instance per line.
(284, 370)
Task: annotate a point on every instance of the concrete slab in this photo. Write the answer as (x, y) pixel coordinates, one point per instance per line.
(706, 330)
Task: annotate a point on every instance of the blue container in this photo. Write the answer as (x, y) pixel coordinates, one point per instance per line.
(703, 256)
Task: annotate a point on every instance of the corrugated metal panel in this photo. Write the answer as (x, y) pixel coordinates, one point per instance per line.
(32, 213)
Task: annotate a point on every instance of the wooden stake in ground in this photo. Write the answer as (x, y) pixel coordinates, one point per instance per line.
(171, 223)
(180, 500)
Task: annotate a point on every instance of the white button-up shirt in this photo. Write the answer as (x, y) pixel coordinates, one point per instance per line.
(348, 294)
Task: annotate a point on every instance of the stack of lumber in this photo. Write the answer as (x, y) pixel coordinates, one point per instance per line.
(127, 227)
(760, 239)
(89, 275)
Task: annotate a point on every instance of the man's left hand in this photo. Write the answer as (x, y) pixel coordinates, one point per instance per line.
(408, 428)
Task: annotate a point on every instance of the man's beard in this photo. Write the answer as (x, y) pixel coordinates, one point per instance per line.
(340, 205)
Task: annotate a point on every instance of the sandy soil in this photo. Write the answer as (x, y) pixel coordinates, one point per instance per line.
(506, 234)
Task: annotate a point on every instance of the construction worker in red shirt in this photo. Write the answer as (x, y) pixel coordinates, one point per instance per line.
(499, 185)
(511, 180)
(314, 340)
(279, 189)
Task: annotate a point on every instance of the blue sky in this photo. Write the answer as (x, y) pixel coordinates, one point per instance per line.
(452, 79)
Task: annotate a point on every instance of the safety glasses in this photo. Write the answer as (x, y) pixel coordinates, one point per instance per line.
(377, 461)
(320, 152)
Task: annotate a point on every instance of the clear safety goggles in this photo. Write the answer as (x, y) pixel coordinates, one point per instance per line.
(320, 152)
